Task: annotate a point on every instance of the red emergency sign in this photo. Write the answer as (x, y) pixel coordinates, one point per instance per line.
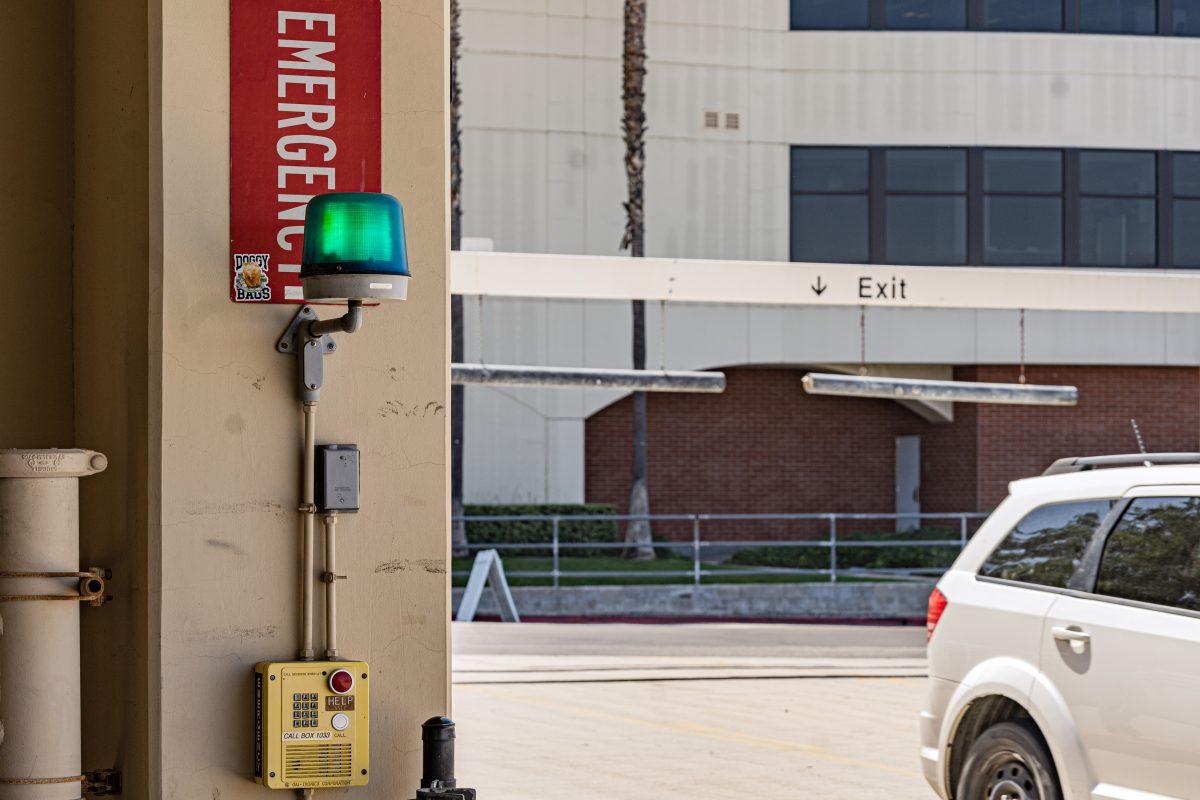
(304, 96)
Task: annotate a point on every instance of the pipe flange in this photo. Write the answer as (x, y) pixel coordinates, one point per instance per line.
(91, 588)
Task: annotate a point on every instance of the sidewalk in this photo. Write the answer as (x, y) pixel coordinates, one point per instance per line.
(610, 712)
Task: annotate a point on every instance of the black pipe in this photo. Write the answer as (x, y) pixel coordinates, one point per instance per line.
(437, 753)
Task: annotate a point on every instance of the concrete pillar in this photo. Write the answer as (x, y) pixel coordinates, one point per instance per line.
(125, 340)
(39, 638)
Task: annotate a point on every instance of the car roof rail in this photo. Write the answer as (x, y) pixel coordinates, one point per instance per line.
(1085, 463)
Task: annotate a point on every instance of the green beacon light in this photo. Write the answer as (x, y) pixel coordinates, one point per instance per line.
(354, 248)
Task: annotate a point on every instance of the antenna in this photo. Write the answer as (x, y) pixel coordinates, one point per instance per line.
(1137, 433)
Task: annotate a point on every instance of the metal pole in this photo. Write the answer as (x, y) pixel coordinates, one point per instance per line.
(963, 530)
(637, 380)
(833, 561)
(554, 542)
(696, 549)
(946, 391)
(307, 511)
(437, 754)
(331, 576)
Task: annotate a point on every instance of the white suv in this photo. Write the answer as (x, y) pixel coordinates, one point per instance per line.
(1064, 649)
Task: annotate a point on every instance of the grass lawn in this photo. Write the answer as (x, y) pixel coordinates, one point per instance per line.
(683, 566)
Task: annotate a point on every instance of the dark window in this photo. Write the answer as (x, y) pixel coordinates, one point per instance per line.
(1185, 211)
(1186, 174)
(829, 14)
(1186, 20)
(830, 206)
(1153, 555)
(1185, 233)
(1118, 209)
(1118, 16)
(1117, 232)
(1117, 172)
(1138, 17)
(995, 206)
(1045, 548)
(1023, 207)
(830, 169)
(927, 170)
(926, 14)
(830, 229)
(1023, 171)
(926, 206)
(1023, 15)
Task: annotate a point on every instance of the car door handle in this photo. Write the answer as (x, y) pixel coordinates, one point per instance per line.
(1078, 638)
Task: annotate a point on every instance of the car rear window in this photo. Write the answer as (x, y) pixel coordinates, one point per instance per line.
(1045, 548)
(1153, 555)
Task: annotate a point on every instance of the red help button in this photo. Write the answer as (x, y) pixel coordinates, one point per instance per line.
(341, 681)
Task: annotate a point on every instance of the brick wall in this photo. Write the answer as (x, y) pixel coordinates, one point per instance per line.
(1015, 442)
(766, 447)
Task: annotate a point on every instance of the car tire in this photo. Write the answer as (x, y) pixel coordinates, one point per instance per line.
(1009, 761)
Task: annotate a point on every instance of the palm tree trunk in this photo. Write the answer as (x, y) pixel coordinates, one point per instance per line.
(458, 531)
(638, 534)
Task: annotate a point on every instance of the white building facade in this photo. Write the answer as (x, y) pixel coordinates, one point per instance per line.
(865, 136)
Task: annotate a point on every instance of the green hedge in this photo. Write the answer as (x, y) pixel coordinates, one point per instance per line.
(576, 531)
(850, 557)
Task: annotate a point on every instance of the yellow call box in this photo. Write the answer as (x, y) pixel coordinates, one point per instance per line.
(311, 724)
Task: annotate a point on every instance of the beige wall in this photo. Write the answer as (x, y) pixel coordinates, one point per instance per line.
(111, 365)
(231, 424)
(35, 222)
(144, 358)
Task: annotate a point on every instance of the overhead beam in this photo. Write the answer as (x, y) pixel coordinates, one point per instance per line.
(782, 283)
(583, 378)
(946, 391)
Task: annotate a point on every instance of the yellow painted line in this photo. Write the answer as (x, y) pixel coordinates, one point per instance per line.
(693, 729)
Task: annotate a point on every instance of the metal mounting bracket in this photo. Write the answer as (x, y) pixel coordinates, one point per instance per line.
(310, 350)
(102, 783)
(445, 794)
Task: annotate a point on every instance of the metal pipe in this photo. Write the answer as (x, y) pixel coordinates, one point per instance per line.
(437, 754)
(307, 511)
(39, 639)
(331, 577)
(349, 322)
(584, 378)
(943, 391)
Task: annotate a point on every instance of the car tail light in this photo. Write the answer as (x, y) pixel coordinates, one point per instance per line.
(937, 606)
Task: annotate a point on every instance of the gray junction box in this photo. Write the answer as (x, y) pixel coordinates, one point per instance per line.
(337, 478)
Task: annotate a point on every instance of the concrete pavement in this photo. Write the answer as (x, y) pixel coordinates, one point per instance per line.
(627, 711)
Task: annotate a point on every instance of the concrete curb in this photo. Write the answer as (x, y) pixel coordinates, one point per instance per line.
(820, 601)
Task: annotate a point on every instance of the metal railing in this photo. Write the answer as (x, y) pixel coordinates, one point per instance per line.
(698, 544)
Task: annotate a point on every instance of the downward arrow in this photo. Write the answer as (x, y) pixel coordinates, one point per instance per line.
(820, 288)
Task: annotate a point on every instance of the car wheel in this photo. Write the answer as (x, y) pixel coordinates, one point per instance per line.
(1009, 761)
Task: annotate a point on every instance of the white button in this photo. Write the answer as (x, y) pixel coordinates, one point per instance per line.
(340, 722)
